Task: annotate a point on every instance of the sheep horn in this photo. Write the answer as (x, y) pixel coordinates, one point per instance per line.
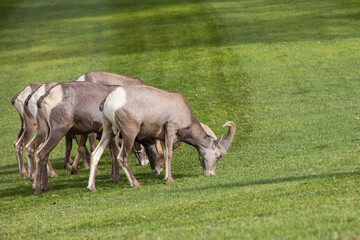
(208, 130)
(227, 140)
(176, 145)
(158, 147)
(137, 147)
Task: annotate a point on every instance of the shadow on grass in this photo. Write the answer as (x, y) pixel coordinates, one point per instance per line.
(80, 181)
(139, 27)
(272, 181)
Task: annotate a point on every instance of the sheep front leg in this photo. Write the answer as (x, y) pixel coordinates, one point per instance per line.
(114, 152)
(169, 139)
(80, 152)
(68, 147)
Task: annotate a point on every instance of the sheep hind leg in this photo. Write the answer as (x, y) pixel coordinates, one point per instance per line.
(42, 159)
(127, 144)
(29, 129)
(19, 136)
(106, 137)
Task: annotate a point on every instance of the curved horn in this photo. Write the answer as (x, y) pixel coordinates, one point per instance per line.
(208, 130)
(227, 140)
(137, 147)
(176, 145)
(158, 147)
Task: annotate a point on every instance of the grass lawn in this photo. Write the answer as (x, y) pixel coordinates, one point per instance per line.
(286, 72)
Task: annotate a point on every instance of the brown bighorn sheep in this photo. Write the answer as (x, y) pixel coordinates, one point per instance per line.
(107, 78)
(71, 107)
(30, 108)
(28, 124)
(141, 112)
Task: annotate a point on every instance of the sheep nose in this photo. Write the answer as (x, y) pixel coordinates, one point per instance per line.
(156, 171)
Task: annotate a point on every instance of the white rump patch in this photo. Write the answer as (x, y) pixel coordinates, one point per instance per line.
(50, 101)
(81, 78)
(114, 101)
(20, 100)
(32, 105)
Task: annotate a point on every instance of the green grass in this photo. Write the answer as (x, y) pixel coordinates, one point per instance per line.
(286, 72)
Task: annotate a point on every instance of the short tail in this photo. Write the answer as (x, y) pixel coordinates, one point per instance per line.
(39, 102)
(101, 107)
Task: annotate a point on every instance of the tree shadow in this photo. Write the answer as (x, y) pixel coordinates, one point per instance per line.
(137, 28)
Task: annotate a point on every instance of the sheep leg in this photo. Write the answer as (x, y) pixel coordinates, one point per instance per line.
(169, 139)
(82, 149)
(42, 158)
(20, 134)
(50, 170)
(29, 129)
(92, 141)
(106, 137)
(80, 152)
(37, 140)
(114, 151)
(68, 147)
(129, 135)
(46, 186)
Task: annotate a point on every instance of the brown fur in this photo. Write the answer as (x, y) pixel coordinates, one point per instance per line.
(143, 112)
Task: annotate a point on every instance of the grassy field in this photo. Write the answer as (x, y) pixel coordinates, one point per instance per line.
(286, 72)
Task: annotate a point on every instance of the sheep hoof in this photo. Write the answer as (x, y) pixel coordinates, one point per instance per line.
(67, 166)
(74, 171)
(116, 178)
(52, 174)
(136, 184)
(47, 187)
(169, 180)
(37, 192)
(92, 189)
(24, 174)
(85, 165)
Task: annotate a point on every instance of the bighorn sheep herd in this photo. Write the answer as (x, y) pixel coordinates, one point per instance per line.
(123, 112)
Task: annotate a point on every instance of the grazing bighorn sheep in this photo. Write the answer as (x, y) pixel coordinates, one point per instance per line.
(68, 107)
(71, 107)
(30, 108)
(141, 112)
(28, 124)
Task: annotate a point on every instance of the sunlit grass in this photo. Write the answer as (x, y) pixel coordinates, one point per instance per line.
(287, 73)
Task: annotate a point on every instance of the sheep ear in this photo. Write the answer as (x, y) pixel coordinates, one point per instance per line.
(217, 141)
